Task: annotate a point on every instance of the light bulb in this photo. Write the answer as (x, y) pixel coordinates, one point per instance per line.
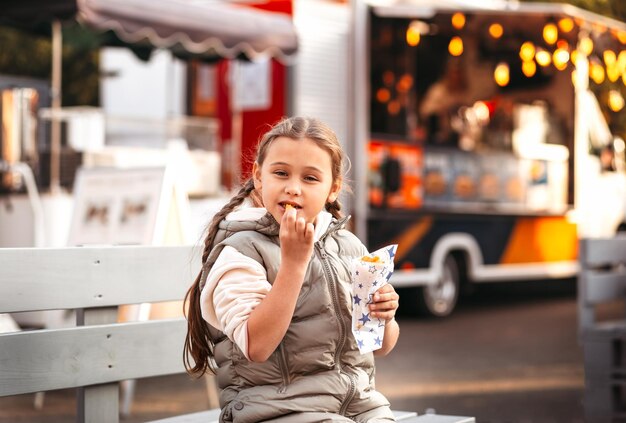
(383, 95)
(586, 46)
(527, 51)
(612, 72)
(458, 20)
(597, 73)
(609, 57)
(550, 33)
(529, 68)
(456, 46)
(496, 30)
(560, 58)
(501, 74)
(566, 24)
(543, 57)
(413, 35)
(616, 101)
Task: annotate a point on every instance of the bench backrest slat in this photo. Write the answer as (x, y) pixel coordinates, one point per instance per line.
(603, 287)
(595, 252)
(50, 359)
(602, 279)
(68, 278)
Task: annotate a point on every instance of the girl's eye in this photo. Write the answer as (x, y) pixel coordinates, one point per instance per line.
(311, 178)
(280, 173)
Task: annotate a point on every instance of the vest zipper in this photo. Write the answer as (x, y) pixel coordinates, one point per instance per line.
(350, 395)
(332, 277)
(283, 370)
(333, 292)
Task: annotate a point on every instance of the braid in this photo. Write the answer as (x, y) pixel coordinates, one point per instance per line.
(243, 193)
(334, 208)
(198, 349)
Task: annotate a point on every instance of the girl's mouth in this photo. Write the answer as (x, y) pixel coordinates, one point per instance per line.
(286, 205)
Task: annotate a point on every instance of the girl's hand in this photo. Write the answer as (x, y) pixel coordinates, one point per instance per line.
(296, 239)
(384, 303)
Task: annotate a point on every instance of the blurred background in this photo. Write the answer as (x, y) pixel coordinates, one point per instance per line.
(486, 138)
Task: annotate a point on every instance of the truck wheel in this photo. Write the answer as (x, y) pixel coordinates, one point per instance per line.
(439, 299)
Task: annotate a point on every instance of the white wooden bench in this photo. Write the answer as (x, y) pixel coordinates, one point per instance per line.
(602, 326)
(99, 352)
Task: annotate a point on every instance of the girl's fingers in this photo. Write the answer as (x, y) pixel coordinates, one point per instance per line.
(309, 232)
(300, 226)
(385, 305)
(381, 297)
(287, 220)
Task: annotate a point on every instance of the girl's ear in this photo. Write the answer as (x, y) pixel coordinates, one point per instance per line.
(334, 192)
(256, 175)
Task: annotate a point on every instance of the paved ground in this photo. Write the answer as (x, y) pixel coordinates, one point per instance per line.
(509, 354)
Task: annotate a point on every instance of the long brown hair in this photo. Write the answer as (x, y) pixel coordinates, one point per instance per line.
(198, 350)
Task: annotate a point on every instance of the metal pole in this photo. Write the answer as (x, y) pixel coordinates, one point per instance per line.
(55, 135)
(581, 127)
(359, 118)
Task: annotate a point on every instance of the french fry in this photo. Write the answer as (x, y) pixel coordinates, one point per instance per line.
(369, 259)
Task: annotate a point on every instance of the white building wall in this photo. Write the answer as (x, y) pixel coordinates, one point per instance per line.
(133, 88)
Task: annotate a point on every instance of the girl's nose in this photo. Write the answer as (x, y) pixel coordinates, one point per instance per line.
(293, 188)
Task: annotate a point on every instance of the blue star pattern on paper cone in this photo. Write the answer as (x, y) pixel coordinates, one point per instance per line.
(367, 277)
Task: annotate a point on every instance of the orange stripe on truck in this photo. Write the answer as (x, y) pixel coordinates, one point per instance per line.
(541, 239)
(409, 238)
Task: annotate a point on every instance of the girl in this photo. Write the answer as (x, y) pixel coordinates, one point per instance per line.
(270, 312)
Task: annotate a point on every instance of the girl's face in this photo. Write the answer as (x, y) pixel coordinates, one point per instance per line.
(295, 172)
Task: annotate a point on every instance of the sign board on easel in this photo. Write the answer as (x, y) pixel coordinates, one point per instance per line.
(135, 206)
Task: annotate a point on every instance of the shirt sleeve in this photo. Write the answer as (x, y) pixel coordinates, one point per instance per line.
(235, 285)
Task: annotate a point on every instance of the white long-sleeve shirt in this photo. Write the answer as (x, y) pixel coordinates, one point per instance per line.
(236, 284)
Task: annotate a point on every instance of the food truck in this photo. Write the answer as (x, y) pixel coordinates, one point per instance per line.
(476, 140)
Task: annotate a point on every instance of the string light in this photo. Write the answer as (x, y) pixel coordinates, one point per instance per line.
(388, 78)
(501, 74)
(562, 44)
(612, 72)
(609, 57)
(529, 68)
(527, 51)
(550, 33)
(543, 57)
(566, 24)
(586, 46)
(393, 107)
(458, 20)
(404, 84)
(616, 101)
(496, 30)
(413, 34)
(560, 57)
(383, 95)
(596, 73)
(456, 46)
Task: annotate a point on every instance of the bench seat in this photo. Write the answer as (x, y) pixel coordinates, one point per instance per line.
(212, 416)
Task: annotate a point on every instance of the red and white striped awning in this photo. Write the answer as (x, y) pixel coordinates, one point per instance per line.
(217, 28)
(196, 28)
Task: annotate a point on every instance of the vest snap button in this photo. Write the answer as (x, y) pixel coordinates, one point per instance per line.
(238, 406)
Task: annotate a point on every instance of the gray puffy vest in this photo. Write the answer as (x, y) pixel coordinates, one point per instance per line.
(317, 366)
